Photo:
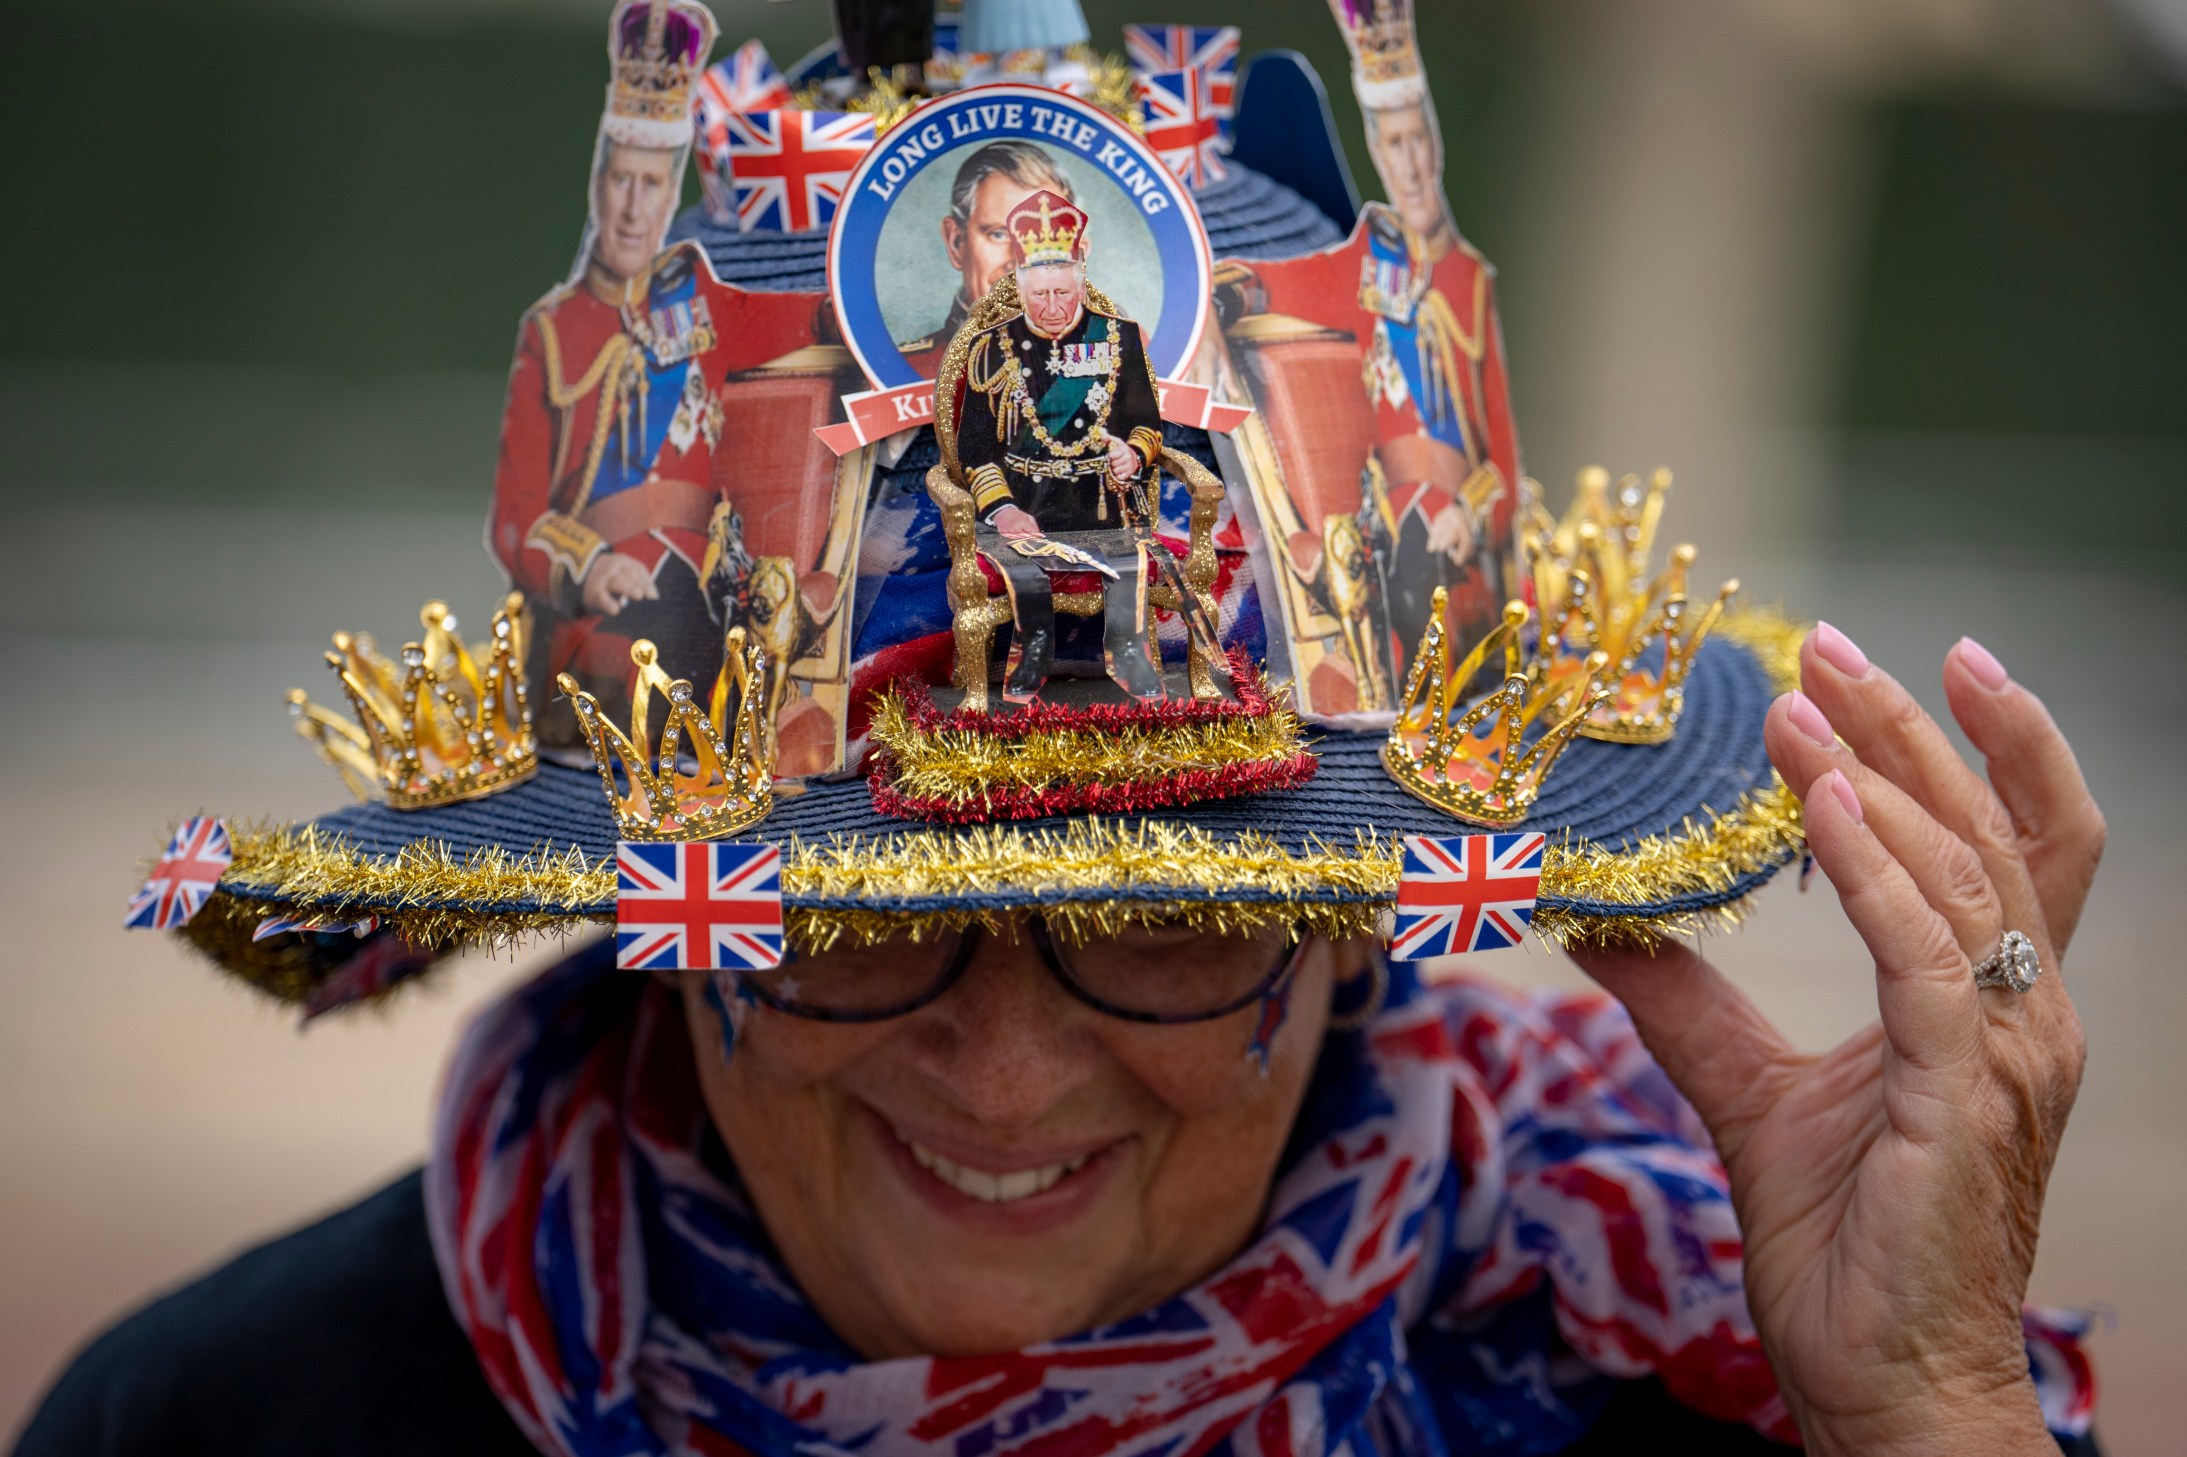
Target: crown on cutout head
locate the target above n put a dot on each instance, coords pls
(1477, 761)
(658, 48)
(1591, 581)
(1046, 228)
(1385, 52)
(724, 783)
(432, 727)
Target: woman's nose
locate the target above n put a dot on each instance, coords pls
(1006, 1044)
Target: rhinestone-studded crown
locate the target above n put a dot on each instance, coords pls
(1592, 583)
(724, 783)
(1477, 761)
(433, 727)
(658, 50)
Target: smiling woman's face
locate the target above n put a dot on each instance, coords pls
(1005, 1165)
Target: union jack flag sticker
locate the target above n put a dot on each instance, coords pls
(1467, 893)
(745, 80)
(184, 877)
(1211, 49)
(1181, 125)
(788, 169)
(711, 906)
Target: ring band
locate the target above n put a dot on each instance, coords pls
(2013, 965)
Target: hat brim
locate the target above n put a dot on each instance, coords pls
(1645, 841)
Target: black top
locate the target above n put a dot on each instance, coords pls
(337, 1342)
(1087, 386)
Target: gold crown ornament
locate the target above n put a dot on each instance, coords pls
(1475, 762)
(1385, 52)
(727, 782)
(1591, 576)
(432, 727)
(658, 51)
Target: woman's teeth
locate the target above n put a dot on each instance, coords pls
(993, 1188)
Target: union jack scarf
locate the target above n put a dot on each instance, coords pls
(1495, 1205)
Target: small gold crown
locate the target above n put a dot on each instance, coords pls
(434, 728)
(1591, 581)
(731, 782)
(1476, 762)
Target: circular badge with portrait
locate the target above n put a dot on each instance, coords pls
(920, 234)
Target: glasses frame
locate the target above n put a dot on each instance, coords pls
(1052, 956)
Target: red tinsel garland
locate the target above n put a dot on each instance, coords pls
(1017, 721)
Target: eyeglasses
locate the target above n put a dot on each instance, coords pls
(1161, 974)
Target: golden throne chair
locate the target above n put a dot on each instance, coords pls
(976, 609)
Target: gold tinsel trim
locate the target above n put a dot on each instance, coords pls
(1089, 877)
(958, 765)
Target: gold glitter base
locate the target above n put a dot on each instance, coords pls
(1090, 877)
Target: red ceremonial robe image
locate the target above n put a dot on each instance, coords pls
(1382, 453)
(659, 479)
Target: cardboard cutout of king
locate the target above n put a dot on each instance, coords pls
(610, 511)
(1430, 508)
(1058, 436)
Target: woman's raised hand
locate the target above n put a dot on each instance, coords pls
(1889, 1190)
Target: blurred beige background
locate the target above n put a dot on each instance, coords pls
(1745, 239)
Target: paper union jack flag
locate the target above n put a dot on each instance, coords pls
(1467, 893)
(698, 907)
(1211, 49)
(788, 169)
(185, 875)
(380, 963)
(744, 81)
(1181, 126)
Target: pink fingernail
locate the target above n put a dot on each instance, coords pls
(1809, 720)
(1839, 652)
(1842, 787)
(1983, 664)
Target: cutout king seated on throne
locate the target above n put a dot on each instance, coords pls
(1052, 461)
(1058, 437)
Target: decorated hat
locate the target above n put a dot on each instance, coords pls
(1265, 626)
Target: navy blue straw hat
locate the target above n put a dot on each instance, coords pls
(1644, 837)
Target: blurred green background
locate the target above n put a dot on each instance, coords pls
(277, 251)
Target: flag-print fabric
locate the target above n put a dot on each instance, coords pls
(788, 169)
(1181, 126)
(1466, 893)
(744, 80)
(382, 961)
(698, 907)
(196, 857)
(1209, 49)
(274, 926)
(1499, 1207)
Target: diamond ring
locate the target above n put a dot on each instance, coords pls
(2013, 965)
